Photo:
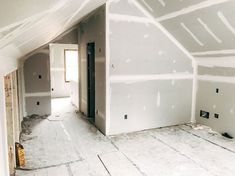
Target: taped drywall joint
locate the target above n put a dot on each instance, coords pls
(162, 2)
(107, 70)
(129, 18)
(226, 22)
(217, 39)
(148, 6)
(216, 61)
(140, 78)
(190, 9)
(191, 34)
(221, 79)
(38, 94)
(216, 52)
(194, 92)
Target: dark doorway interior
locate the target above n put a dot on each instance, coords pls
(91, 81)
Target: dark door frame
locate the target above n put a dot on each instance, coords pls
(91, 81)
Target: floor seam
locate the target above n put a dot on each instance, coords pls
(52, 166)
(182, 154)
(135, 165)
(207, 140)
(104, 165)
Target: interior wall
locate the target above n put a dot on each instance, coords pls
(216, 95)
(5, 68)
(93, 30)
(37, 84)
(59, 88)
(148, 73)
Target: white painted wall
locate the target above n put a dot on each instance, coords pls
(57, 67)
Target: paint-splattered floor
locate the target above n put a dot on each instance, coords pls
(67, 145)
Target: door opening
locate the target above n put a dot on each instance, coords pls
(91, 81)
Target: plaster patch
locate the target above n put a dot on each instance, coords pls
(158, 99)
(191, 34)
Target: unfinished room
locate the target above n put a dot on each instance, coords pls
(117, 88)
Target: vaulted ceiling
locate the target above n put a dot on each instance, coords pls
(203, 27)
(28, 24)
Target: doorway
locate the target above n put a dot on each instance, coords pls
(91, 81)
(12, 117)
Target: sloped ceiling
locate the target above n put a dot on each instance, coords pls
(28, 24)
(203, 27)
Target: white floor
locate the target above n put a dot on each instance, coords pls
(67, 145)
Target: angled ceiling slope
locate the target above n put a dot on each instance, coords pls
(30, 24)
(203, 27)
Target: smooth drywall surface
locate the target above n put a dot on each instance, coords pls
(37, 84)
(74, 87)
(148, 73)
(216, 95)
(93, 30)
(59, 87)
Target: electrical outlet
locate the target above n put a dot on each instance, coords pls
(204, 114)
(217, 90)
(38, 103)
(125, 117)
(216, 116)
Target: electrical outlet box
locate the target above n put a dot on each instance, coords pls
(204, 114)
(216, 116)
(125, 117)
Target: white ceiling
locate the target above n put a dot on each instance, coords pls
(28, 24)
(201, 26)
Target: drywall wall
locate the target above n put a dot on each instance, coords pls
(5, 68)
(93, 30)
(74, 87)
(59, 87)
(148, 72)
(37, 84)
(216, 95)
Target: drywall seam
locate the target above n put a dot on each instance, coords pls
(38, 94)
(222, 79)
(34, 17)
(194, 92)
(107, 33)
(190, 9)
(217, 39)
(158, 25)
(216, 52)
(191, 34)
(140, 78)
(216, 61)
(129, 18)
(162, 3)
(83, 5)
(226, 22)
(148, 6)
